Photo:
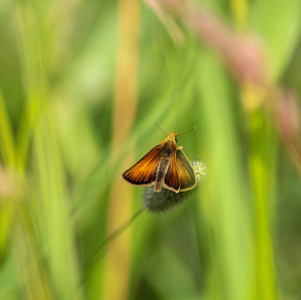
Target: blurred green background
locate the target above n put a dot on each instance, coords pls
(82, 84)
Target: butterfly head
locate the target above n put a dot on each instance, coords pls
(172, 136)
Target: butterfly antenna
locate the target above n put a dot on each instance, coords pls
(194, 128)
(161, 129)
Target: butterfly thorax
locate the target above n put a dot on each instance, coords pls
(171, 140)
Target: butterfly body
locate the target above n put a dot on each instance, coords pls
(165, 165)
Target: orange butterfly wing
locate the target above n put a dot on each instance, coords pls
(171, 180)
(144, 171)
(186, 175)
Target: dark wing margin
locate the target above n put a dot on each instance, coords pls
(186, 175)
(144, 171)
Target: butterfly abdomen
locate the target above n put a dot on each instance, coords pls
(162, 166)
(160, 173)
